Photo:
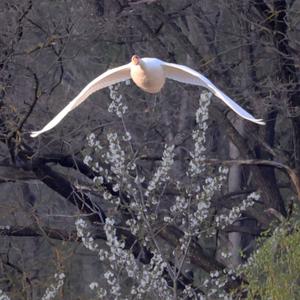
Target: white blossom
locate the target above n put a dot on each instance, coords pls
(133, 225)
(115, 156)
(87, 159)
(226, 255)
(127, 136)
(92, 142)
(4, 227)
(91, 139)
(191, 210)
(147, 278)
(52, 291)
(116, 106)
(161, 174)
(100, 291)
(196, 165)
(116, 187)
(98, 180)
(139, 179)
(235, 212)
(93, 285)
(3, 296)
(86, 238)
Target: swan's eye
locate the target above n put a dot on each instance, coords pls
(135, 59)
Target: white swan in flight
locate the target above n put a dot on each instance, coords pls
(150, 75)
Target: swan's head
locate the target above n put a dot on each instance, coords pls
(135, 59)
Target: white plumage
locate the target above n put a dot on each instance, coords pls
(149, 74)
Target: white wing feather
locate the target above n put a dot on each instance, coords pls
(106, 79)
(187, 75)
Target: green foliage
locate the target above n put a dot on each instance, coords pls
(274, 271)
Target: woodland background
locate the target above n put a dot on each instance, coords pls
(50, 49)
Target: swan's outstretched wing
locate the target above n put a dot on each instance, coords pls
(187, 75)
(106, 79)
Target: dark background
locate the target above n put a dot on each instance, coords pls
(49, 50)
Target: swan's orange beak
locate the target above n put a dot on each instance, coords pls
(135, 59)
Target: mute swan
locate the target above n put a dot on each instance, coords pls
(150, 75)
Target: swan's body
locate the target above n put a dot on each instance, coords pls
(150, 75)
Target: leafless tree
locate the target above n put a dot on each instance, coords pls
(51, 49)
